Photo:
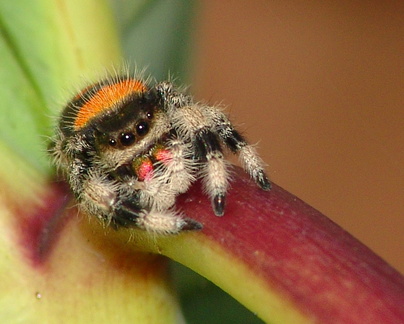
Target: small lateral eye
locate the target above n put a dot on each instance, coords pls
(142, 128)
(127, 139)
(149, 115)
(112, 142)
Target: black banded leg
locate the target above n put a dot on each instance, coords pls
(153, 221)
(215, 174)
(190, 224)
(249, 157)
(126, 214)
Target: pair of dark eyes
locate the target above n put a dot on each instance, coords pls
(128, 138)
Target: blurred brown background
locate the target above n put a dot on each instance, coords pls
(319, 84)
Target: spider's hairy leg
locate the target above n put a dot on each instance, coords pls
(215, 170)
(173, 172)
(172, 97)
(151, 220)
(98, 193)
(117, 204)
(206, 127)
(166, 222)
(248, 155)
(104, 198)
(179, 165)
(191, 125)
(254, 165)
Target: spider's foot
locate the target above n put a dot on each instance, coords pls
(219, 204)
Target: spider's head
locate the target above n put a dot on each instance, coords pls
(122, 117)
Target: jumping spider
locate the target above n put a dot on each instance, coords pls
(127, 149)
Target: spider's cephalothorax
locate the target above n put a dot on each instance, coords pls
(128, 149)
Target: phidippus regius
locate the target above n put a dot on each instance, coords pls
(128, 149)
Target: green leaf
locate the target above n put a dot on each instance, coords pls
(157, 35)
(46, 46)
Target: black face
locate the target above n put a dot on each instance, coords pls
(126, 126)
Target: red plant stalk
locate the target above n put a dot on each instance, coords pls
(280, 257)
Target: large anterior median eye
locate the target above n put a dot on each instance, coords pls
(127, 139)
(142, 128)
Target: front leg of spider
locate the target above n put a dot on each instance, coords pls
(215, 171)
(114, 199)
(118, 204)
(126, 213)
(192, 125)
(129, 214)
(249, 158)
(207, 128)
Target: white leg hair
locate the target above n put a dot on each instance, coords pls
(216, 178)
(98, 196)
(172, 177)
(180, 167)
(250, 160)
(167, 222)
